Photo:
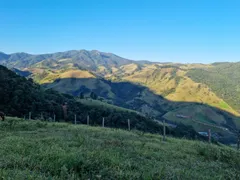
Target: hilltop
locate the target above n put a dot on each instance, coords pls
(40, 150)
(19, 96)
(201, 95)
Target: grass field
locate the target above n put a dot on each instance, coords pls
(40, 150)
(98, 103)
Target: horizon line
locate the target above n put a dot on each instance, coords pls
(151, 61)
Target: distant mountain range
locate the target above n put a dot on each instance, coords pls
(83, 58)
(195, 94)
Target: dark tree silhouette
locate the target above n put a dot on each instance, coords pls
(2, 115)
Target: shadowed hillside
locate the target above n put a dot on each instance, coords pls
(136, 97)
(222, 78)
(175, 82)
(194, 94)
(19, 96)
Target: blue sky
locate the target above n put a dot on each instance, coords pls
(158, 30)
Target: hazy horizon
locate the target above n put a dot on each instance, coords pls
(123, 57)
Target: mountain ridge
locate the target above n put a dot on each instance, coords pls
(141, 85)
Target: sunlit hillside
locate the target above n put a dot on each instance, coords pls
(205, 95)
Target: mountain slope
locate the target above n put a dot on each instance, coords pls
(19, 96)
(85, 59)
(140, 98)
(223, 79)
(172, 83)
(159, 90)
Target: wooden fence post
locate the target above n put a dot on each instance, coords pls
(209, 135)
(88, 120)
(54, 117)
(164, 130)
(238, 141)
(30, 114)
(103, 122)
(75, 119)
(129, 125)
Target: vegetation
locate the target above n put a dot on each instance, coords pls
(223, 79)
(40, 150)
(93, 95)
(98, 103)
(157, 90)
(20, 96)
(82, 58)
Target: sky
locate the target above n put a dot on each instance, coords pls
(186, 31)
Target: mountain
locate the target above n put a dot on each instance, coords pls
(85, 59)
(19, 96)
(180, 93)
(3, 56)
(223, 79)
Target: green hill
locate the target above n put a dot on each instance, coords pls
(40, 150)
(205, 95)
(83, 58)
(223, 79)
(141, 97)
(19, 96)
(98, 103)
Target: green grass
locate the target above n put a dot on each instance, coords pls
(98, 103)
(223, 105)
(40, 150)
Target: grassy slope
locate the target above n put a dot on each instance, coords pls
(172, 83)
(39, 150)
(169, 81)
(223, 79)
(49, 76)
(97, 103)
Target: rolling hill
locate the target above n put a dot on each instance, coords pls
(19, 96)
(223, 79)
(204, 96)
(85, 59)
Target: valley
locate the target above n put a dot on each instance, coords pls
(203, 94)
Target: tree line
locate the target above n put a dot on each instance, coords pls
(19, 96)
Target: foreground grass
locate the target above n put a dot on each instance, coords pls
(39, 150)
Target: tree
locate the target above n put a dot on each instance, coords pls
(81, 95)
(93, 95)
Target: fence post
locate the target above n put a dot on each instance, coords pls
(129, 125)
(103, 122)
(30, 114)
(88, 120)
(41, 116)
(238, 141)
(164, 130)
(54, 118)
(209, 135)
(75, 119)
